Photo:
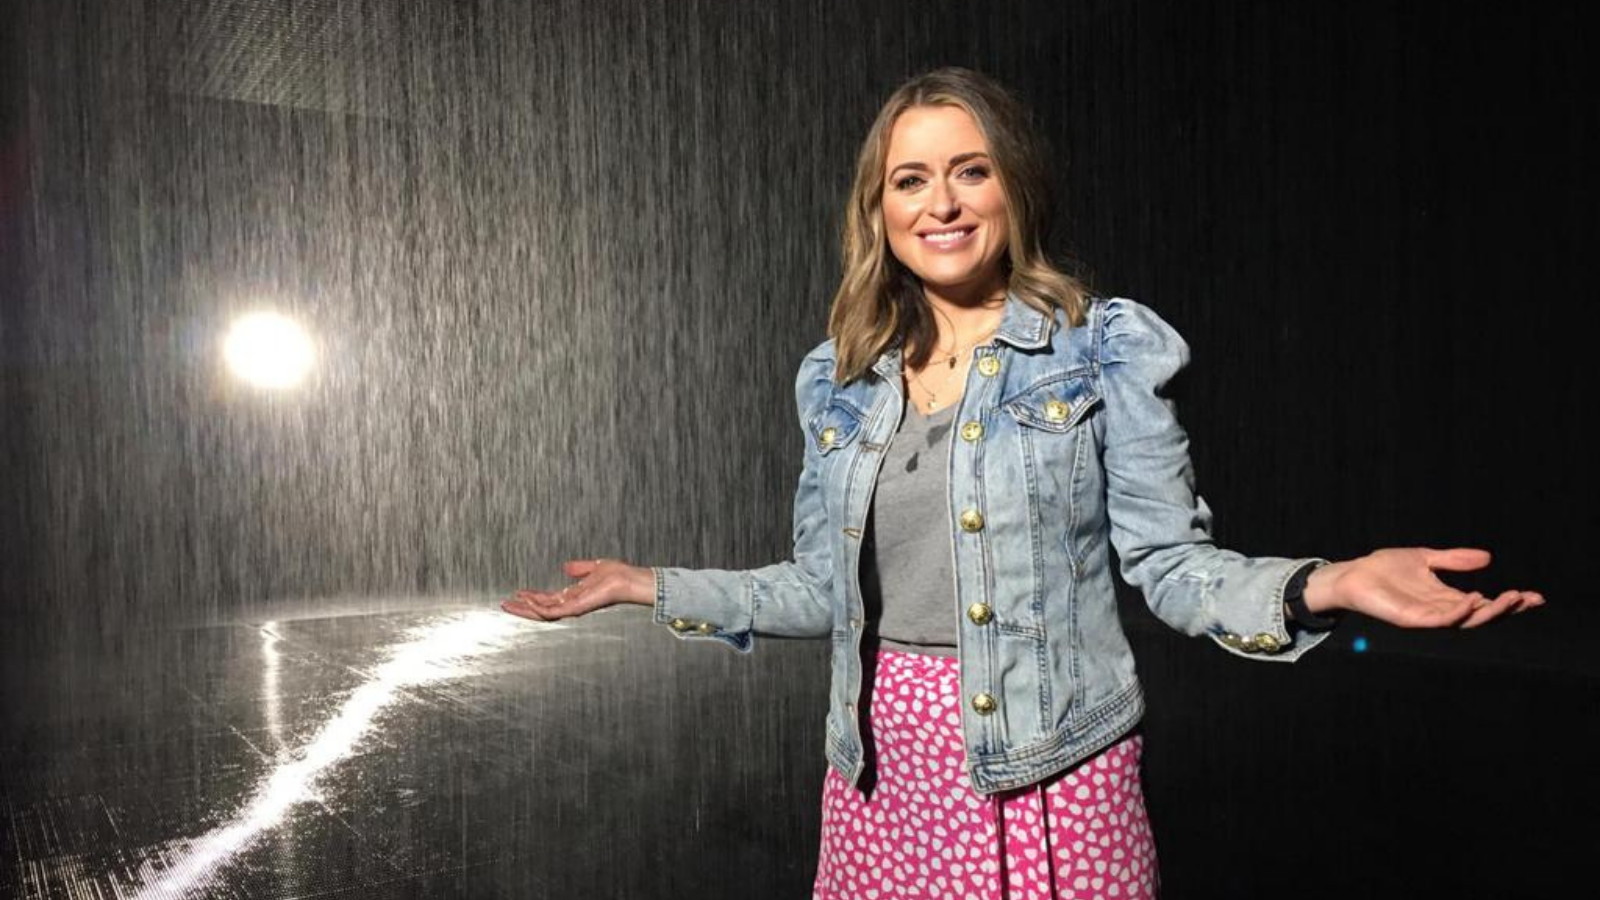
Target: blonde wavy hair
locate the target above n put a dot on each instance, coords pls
(879, 300)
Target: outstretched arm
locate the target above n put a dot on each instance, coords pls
(1162, 528)
(1397, 585)
(789, 598)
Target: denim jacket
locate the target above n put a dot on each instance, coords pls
(1066, 446)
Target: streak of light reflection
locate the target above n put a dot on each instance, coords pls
(430, 653)
(271, 663)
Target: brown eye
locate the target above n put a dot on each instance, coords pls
(907, 182)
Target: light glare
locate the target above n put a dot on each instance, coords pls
(268, 350)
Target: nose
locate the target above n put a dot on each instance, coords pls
(942, 202)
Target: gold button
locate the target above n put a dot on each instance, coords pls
(980, 613)
(1056, 411)
(971, 431)
(1230, 639)
(1248, 644)
(984, 704)
(988, 365)
(1267, 642)
(707, 628)
(828, 434)
(681, 625)
(971, 520)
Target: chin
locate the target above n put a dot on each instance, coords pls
(951, 281)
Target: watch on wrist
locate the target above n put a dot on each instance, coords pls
(1294, 601)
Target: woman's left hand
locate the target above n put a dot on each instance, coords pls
(1397, 585)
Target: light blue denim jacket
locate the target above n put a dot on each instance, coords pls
(1065, 438)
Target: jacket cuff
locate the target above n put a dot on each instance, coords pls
(1268, 635)
(699, 603)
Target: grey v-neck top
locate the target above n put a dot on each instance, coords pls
(907, 579)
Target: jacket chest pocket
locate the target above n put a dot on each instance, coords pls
(1054, 405)
(835, 434)
(1049, 421)
(835, 428)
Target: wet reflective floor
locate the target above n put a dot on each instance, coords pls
(453, 751)
(449, 750)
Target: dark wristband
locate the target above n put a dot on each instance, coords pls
(1294, 600)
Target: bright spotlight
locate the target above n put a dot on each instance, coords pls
(268, 350)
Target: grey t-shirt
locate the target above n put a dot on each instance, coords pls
(907, 579)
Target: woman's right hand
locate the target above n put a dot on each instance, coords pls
(601, 583)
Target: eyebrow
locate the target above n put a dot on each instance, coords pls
(956, 160)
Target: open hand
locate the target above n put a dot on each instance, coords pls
(601, 583)
(1397, 585)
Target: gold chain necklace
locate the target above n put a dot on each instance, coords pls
(933, 395)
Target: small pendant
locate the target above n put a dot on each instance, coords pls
(952, 362)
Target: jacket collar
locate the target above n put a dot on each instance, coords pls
(1021, 326)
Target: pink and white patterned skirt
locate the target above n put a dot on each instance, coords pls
(925, 833)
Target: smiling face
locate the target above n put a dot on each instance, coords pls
(944, 210)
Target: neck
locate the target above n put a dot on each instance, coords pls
(956, 299)
(961, 314)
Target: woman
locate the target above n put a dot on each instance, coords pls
(979, 433)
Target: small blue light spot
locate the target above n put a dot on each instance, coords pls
(1359, 645)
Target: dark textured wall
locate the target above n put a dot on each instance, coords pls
(563, 258)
